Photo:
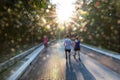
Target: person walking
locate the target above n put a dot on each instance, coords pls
(77, 47)
(68, 45)
(45, 41)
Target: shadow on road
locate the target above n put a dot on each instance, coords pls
(86, 74)
(70, 73)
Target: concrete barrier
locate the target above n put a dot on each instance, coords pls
(107, 58)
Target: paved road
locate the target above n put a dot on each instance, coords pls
(52, 65)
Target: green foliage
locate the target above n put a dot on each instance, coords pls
(25, 22)
(103, 24)
(19, 29)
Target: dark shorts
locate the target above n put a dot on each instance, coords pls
(68, 50)
(77, 49)
(45, 44)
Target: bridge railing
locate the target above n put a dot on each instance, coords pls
(107, 58)
(16, 58)
(29, 56)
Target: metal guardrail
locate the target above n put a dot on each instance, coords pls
(107, 58)
(13, 60)
(31, 58)
(107, 53)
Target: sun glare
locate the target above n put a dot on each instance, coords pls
(64, 9)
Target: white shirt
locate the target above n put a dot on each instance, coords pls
(67, 43)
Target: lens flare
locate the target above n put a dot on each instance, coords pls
(64, 9)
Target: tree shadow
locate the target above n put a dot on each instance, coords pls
(70, 72)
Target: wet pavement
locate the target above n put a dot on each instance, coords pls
(52, 65)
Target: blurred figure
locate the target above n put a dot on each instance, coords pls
(45, 41)
(67, 44)
(77, 47)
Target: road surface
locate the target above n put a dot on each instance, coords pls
(52, 65)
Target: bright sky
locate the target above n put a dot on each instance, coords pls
(64, 9)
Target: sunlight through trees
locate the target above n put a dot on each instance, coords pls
(25, 22)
